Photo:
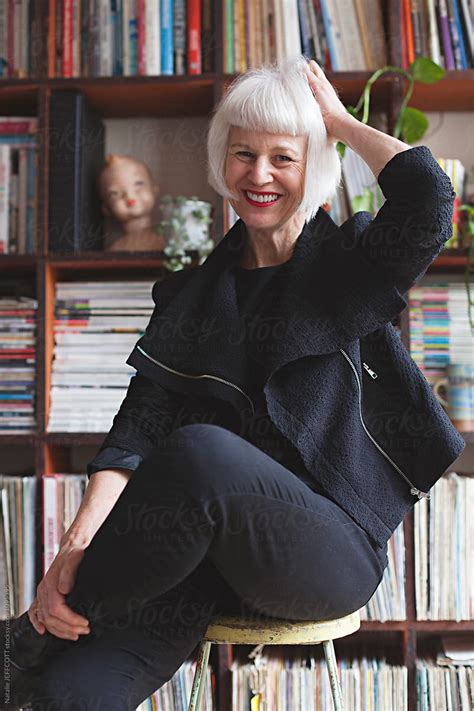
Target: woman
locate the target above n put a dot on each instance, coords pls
(277, 430)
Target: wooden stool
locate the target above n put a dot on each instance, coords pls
(235, 630)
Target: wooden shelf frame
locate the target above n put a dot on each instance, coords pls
(160, 97)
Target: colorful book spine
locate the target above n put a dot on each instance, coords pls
(141, 51)
(445, 36)
(153, 38)
(194, 36)
(67, 30)
(179, 37)
(166, 32)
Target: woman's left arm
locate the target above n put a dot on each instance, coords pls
(413, 224)
(375, 147)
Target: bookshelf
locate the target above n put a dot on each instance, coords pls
(187, 97)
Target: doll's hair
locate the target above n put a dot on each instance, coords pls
(114, 159)
(276, 99)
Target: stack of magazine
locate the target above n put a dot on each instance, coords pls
(17, 365)
(97, 325)
(439, 327)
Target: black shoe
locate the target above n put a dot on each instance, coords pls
(23, 650)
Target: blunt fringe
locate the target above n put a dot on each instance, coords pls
(276, 99)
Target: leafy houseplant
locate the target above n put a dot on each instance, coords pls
(186, 229)
(410, 126)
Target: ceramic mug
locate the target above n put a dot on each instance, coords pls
(459, 387)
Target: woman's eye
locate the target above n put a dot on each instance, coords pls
(139, 182)
(283, 159)
(244, 154)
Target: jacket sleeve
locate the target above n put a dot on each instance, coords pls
(413, 224)
(147, 413)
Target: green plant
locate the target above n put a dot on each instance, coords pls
(410, 126)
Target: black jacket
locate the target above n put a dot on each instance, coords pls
(339, 383)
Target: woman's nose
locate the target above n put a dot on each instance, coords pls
(260, 173)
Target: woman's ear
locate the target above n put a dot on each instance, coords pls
(105, 210)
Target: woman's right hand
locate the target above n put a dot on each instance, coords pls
(54, 615)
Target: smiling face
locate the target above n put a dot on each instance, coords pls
(267, 172)
(127, 190)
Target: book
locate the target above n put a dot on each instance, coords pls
(76, 156)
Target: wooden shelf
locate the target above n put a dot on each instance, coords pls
(455, 92)
(18, 439)
(17, 262)
(18, 97)
(106, 260)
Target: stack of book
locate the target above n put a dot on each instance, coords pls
(175, 694)
(17, 544)
(18, 184)
(439, 328)
(388, 602)
(441, 30)
(299, 684)
(17, 365)
(131, 38)
(444, 555)
(62, 496)
(97, 325)
(341, 36)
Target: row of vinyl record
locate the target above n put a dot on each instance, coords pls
(174, 694)
(18, 185)
(302, 684)
(443, 585)
(368, 684)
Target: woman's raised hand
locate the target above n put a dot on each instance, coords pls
(49, 610)
(332, 109)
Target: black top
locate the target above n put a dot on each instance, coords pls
(259, 429)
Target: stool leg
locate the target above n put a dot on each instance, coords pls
(333, 675)
(200, 676)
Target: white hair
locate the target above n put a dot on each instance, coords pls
(276, 99)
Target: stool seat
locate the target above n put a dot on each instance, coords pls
(226, 629)
(241, 630)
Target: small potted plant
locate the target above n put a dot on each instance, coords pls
(186, 229)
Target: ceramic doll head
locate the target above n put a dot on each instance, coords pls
(129, 193)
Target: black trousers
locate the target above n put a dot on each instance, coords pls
(207, 524)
